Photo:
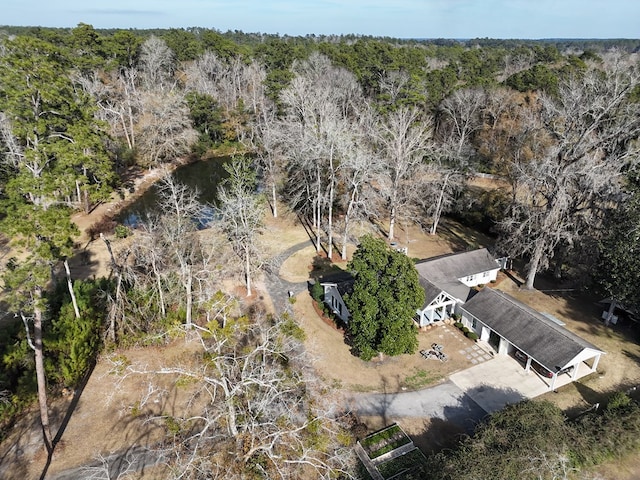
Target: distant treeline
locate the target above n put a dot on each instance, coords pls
(629, 45)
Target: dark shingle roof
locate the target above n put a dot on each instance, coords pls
(343, 280)
(549, 344)
(443, 272)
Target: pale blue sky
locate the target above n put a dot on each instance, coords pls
(395, 18)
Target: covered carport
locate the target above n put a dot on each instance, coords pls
(556, 354)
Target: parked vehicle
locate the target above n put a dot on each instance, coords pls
(537, 367)
(541, 370)
(569, 369)
(520, 356)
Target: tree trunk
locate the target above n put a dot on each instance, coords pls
(116, 268)
(40, 376)
(612, 308)
(71, 292)
(159, 286)
(274, 207)
(347, 218)
(330, 215)
(114, 310)
(78, 193)
(533, 267)
(247, 272)
(131, 137)
(319, 212)
(126, 132)
(392, 222)
(438, 212)
(189, 297)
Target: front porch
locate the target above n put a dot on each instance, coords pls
(439, 309)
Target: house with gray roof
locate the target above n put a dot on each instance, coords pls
(447, 281)
(335, 287)
(537, 340)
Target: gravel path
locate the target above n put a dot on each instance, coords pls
(278, 287)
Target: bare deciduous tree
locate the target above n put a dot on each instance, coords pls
(588, 137)
(259, 408)
(241, 215)
(459, 118)
(157, 64)
(164, 130)
(321, 103)
(182, 212)
(405, 138)
(359, 166)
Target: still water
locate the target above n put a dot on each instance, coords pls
(205, 176)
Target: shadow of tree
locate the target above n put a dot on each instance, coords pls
(322, 266)
(460, 237)
(67, 417)
(439, 435)
(83, 264)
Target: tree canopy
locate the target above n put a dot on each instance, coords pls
(385, 297)
(618, 268)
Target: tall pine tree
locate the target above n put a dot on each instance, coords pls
(55, 159)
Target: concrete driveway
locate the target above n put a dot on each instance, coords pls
(445, 401)
(503, 380)
(498, 382)
(464, 399)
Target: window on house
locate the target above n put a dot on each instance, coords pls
(474, 323)
(470, 278)
(485, 274)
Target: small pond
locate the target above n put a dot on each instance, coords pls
(205, 176)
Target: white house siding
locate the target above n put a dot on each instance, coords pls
(333, 300)
(584, 356)
(481, 278)
(440, 308)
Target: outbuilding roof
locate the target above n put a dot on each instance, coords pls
(548, 343)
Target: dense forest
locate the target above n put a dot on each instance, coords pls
(343, 130)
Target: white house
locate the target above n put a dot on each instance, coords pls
(447, 282)
(335, 287)
(513, 328)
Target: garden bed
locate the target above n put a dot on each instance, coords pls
(411, 465)
(384, 441)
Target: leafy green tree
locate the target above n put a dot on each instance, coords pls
(538, 77)
(123, 47)
(385, 297)
(221, 45)
(617, 274)
(184, 43)
(86, 45)
(73, 342)
(207, 116)
(528, 440)
(57, 150)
